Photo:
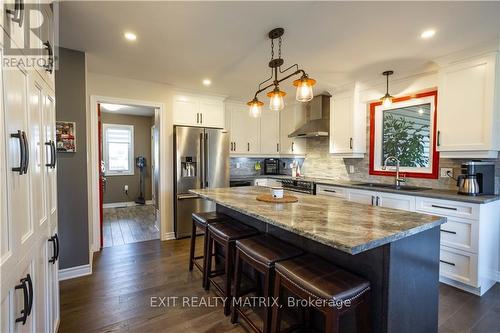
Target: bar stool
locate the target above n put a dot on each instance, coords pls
(225, 234)
(312, 278)
(261, 253)
(201, 220)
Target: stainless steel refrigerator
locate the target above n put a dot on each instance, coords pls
(201, 158)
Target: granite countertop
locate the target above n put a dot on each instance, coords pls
(429, 193)
(347, 226)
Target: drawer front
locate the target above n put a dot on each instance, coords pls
(332, 191)
(458, 265)
(460, 234)
(396, 201)
(448, 208)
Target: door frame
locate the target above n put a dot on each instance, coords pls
(93, 170)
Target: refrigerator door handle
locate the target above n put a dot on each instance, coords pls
(206, 156)
(202, 160)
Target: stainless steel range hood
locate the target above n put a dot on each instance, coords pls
(318, 115)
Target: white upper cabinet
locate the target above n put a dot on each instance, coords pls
(347, 125)
(266, 135)
(244, 130)
(201, 111)
(291, 118)
(269, 132)
(212, 112)
(469, 108)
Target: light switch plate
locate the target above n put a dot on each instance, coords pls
(444, 172)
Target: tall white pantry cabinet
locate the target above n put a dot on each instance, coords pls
(29, 246)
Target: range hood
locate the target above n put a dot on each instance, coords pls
(318, 118)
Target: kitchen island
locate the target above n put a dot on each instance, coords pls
(397, 251)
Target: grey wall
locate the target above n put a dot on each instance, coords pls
(72, 167)
(142, 146)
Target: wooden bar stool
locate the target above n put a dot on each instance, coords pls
(312, 278)
(202, 220)
(225, 234)
(261, 253)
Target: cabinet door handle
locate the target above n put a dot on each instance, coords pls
(373, 198)
(197, 118)
(331, 191)
(17, 13)
(27, 152)
(449, 231)
(248, 146)
(201, 118)
(277, 147)
(447, 262)
(22, 151)
(52, 260)
(444, 207)
(377, 201)
(438, 138)
(50, 66)
(54, 155)
(350, 143)
(235, 146)
(57, 245)
(292, 146)
(27, 286)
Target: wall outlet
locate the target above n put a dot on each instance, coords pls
(125, 189)
(351, 168)
(444, 172)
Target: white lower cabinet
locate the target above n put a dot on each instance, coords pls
(470, 250)
(267, 182)
(382, 199)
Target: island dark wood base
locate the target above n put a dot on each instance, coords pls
(404, 275)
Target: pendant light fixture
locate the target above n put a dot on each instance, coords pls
(387, 98)
(255, 108)
(304, 84)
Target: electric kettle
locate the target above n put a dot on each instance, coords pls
(468, 185)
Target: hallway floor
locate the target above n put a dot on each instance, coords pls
(118, 296)
(127, 225)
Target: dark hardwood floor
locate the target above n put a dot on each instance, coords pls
(117, 297)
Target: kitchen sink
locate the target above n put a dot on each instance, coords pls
(394, 187)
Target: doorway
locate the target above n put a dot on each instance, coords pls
(128, 170)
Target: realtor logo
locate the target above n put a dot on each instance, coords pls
(32, 32)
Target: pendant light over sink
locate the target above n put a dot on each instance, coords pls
(387, 98)
(304, 84)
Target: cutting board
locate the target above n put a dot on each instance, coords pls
(269, 198)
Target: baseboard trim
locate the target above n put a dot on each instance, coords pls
(168, 236)
(74, 272)
(125, 204)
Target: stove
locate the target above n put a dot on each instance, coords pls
(298, 185)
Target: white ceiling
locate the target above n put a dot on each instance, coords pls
(181, 43)
(129, 110)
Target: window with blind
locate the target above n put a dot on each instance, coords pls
(118, 149)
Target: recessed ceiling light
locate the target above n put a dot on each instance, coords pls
(428, 34)
(207, 82)
(130, 35)
(112, 107)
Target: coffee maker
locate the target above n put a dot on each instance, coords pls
(477, 178)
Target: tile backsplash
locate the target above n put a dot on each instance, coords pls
(319, 163)
(245, 166)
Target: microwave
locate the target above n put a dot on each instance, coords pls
(271, 166)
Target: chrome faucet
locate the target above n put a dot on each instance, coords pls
(397, 180)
